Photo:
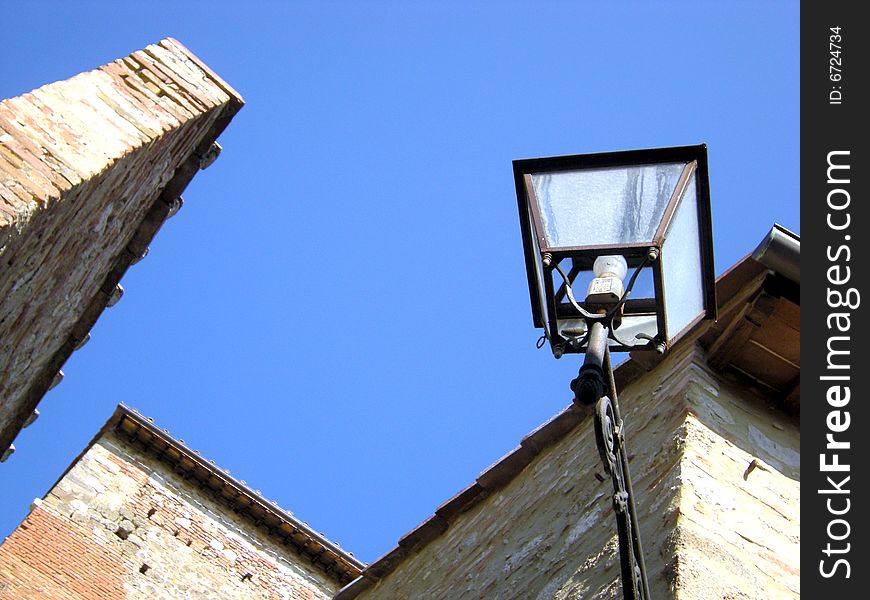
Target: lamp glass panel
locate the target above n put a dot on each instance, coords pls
(682, 274)
(635, 324)
(627, 331)
(569, 328)
(612, 205)
(541, 295)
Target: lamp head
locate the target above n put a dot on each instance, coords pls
(590, 220)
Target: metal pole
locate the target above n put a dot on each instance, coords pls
(635, 529)
(589, 388)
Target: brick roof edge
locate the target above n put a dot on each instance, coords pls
(336, 563)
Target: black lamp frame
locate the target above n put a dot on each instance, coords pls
(539, 255)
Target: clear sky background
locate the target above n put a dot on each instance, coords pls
(339, 314)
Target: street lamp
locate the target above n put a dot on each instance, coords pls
(652, 207)
(588, 221)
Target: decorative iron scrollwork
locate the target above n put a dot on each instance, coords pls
(610, 440)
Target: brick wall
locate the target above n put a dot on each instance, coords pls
(88, 168)
(118, 524)
(708, 533)
(37, 561)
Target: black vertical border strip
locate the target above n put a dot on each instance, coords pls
(833, 119)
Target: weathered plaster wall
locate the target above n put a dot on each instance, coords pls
(736, 537)
(83, 163)
(708, 533)
(118, 513)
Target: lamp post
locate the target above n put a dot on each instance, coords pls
(587, 221)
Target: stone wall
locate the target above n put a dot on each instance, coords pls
(738, 534)
(119, 525)
(88, 170)
(708, 533)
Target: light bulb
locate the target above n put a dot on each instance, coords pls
(613, 265)
(607, 287)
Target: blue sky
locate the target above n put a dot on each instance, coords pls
(339, 314)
